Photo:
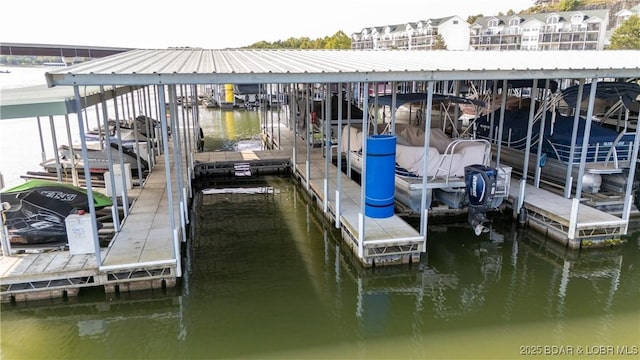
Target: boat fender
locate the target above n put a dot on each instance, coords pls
(543, 160)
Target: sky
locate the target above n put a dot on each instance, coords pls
(216, 24)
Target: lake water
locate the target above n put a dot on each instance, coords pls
(266, 277)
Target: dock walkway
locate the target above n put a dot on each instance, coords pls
(568, 221)
(45, 275)
(140, 256)
(386, 241)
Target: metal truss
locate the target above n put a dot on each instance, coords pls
(48, 285)
(595, 232)
(140, 274)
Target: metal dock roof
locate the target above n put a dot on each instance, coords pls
(40, 100)
(240, 66)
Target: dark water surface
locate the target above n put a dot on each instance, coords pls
(266, 277)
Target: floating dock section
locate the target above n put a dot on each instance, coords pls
(140, 256)
(567, 220)
(375, 241)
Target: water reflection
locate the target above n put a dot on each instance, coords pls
(92, 327)
(226, 130)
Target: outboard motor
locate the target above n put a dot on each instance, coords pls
(480, 181)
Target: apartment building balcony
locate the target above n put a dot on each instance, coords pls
(362, 45)
(577, 45)
(422, 47)
(592, 38)
(569, 46)
(423, 38)
(383, 44)
(495, 47)
(593, 27)
(568, 38)
(485, 32)
(422, 42)
(496, 40)
(556, 30)
(511, 31)
(510, 46)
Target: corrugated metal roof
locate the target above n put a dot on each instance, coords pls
(40, 100)
(35, 101)
(202, 66)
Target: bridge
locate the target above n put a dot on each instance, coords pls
(65, 51)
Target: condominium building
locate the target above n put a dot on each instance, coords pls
(564, 30)
(420, 35)
(569, 30)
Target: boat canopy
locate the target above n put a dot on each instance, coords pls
(628, 92)
(417, 97)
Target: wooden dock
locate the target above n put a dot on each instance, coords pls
(567, 220)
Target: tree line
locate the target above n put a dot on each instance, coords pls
(339, 40)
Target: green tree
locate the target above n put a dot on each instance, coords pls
(535, 9)
(339, 40)
(627, 36)
(568, 5)
(261, 45)
(438, 43)
(472, 18)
